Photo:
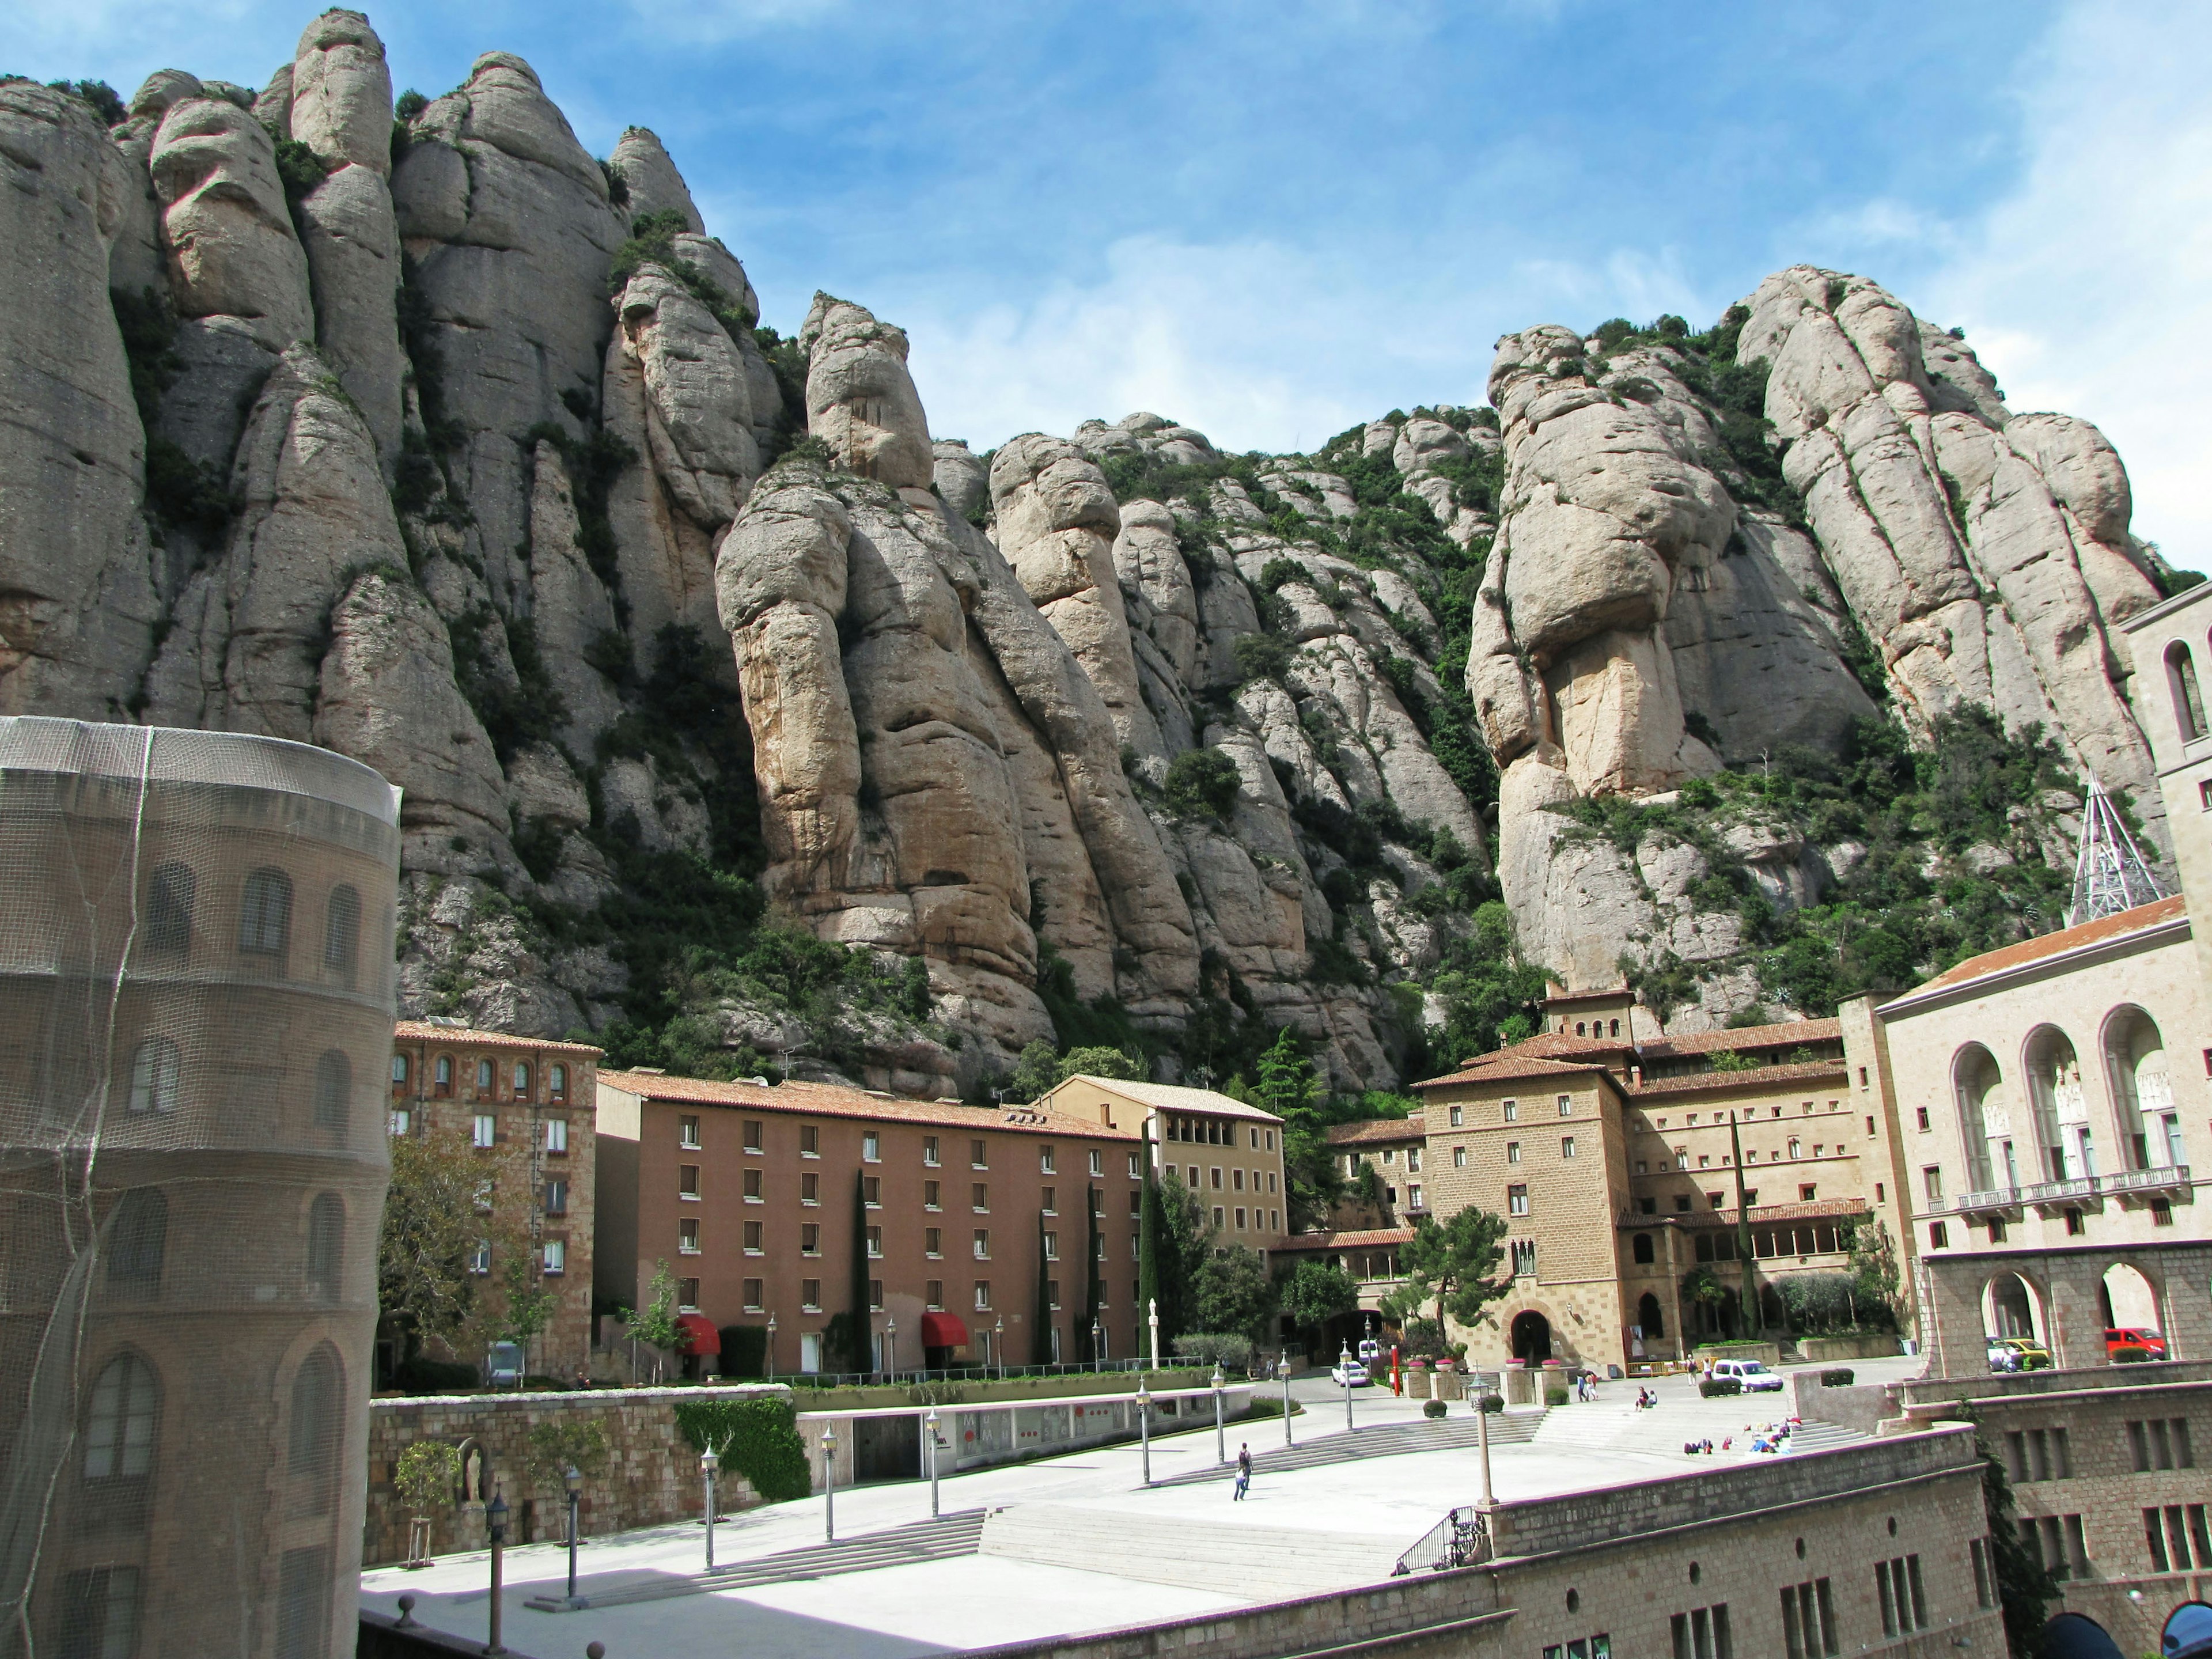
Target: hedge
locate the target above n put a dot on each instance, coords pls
(1712, 1387)
(1433, 1408)
(1839, 1378)
(756, 1438)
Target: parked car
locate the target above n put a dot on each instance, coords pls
(1349, 1374)
(2134, 1336)
(1752, 1373)
(2015, 1353)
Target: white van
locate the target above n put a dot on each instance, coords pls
(1752, 1373)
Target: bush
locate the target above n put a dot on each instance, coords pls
(756, 1438)
(424, 1375)
(1715, 1387)
(1839, 1378)
(2130, 1356)
(1226, 1349)
(744, 1350)
(1261, 657)
(1555, 1395)
(1492, 1403)
(1433, 1408)
(1202, 783)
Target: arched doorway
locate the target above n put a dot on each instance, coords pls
(1531, 1337)
(2011, 1307)
(1648, 1317)
(1985, 1124)
(2127, 1300)
(2142, 1092)
(2066, 1148)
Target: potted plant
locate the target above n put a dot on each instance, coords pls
(425, 1475)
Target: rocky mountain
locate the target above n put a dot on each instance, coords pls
(746, 723)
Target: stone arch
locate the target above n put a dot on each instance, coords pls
(1648, 1316)
(2058, 1108)
(2135, 1056)
(2188, 700)
(476, 1472)
(1529, 1336)
(2128, 1296)
(1985, 1129)
(2014, 1306)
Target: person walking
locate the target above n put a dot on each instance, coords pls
(1243, 1471)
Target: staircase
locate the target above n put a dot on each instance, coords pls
(1454, 1433)
(1615, 1423)
(1252, 1564)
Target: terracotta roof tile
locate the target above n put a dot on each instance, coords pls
(463, 1037)
(1784, 1036)
(1370, 1236)
(1755, 1077)
(2052, 945)
(1377, 1129)
(1602, 993)
(1172, 1097)
(826, 1100)
(1495, 1068)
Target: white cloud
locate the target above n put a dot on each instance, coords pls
(2088, 288)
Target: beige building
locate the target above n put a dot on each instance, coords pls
(2172, 645)
(1229, 1154)
(535, 1103)
(1382, 1161)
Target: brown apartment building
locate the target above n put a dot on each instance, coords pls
(979, 1226)
(533, 1101)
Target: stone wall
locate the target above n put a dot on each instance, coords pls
(651, 1474)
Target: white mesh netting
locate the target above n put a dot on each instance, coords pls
(195, 1004)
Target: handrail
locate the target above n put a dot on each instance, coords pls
(1460, 1540)
(2159, 1177)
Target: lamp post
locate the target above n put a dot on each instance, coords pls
(1153, 1318)
(574, 1480)
(998, 1345)
(929, 1426)
(1220, 1441)
(829, 1482)
(707, 1464)
(1344, 1371)
(771, 1348)
(891, 1346)
(1482, 1434)
(1096, 1333)
(1145, 1425)
(496, 1513)
(1284, 1366)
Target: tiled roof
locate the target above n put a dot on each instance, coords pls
(1602, 993)
(1503, 1067)
(1367, 1130)
(2052, 945)
(462, 1037)
(1785, 1035)
(1370, 1236)
(1169, 1098)
(826, 1100)
(1757, 1076)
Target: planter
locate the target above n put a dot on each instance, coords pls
(1867, 1345)
(1769, 1352)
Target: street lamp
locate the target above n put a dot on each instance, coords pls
(929, 1424)
(998, 1345)
(707, 1464)
(1095, 1334)
(1154, 1318)
(1344, 1371)
(1482, 1432)
(574, 1480)
(891, 1346)
(1145, 1425)
(771, 1348)
(1220, 1444)
(496, 1513)
(1283, 1366)
(829, 1482)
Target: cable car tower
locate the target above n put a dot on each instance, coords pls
(2110, 875)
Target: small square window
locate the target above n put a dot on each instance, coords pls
(402, 1122)
(687, 1132)
(687, 1238)
(810, 1239)
(1512, 1111)
(1566, 1145)
(871, 1147)
(754, 1141)
(1808, 1195)
(486, 1131)
(1512, 1152)
(1459, 1157)
(687, 1295)
(932, 1295)
(557, 1136)
(929, 1151)
(556, 1256)
(809, 1140)
(1566, 1105)
(754, 1190)
(687, 1181)
(753, 1239)
(1458, 1117)
(810, 1295)
(1939, 1236)
(754, 1296)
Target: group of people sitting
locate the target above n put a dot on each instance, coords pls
(1768, 1437)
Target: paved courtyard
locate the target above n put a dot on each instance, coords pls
(1167, 1553)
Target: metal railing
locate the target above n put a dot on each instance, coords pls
(1460, 1540)
(906, 1376)
(2164, 1178)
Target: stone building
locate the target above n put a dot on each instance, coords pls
(1682, 1150)
(2172, 645)
(1229, 1154)
(1381, 1161)
(976, 1225)
(196, 947)
(532, 1105)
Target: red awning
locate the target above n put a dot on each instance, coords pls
(697, 1334)
(943, 1330)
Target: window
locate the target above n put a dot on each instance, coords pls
(1413, 1196)
(2161, 1212)
(871, 1192)
(169, 908)
(480, 1258)
(1051, 1247)
(1809, 1620)
(979, 1155)
(1237, 1180)
(979, 1197)
(1808, 1195)
(2056, 1541)
(2041, 1454)
(1516, 1200)
(556, 1082)
(755, 1141)
(2161, 1443)
(264, 914)
(1240, 1221)
(983, 1243)
(1796, 1147)
(1215, 1174)
(137, 1241)
(687, 1295)
(871, 1147)
(687, 1238)
(1566, 1105)
(484, 1077)
(1702, 1633)
(1097, 1163)
(99, 1609)
(983, 1296)
(756, 1188)
(1566, 1145)
(118, 1439)
(556, 1256)
(1389, 1155)
(929, 1151)
(557, 1136)
(1939, 1236)
(1985, 1573)
(1269, 1140)
(333, 1084)
(2188, 701)
(1512, 1111)
(486, 1131)
(810, 1295)
(1931, 1179)
(1903, 1608)
(687, 1181)
(1047, 1159)
(1458, 1117)
(444, 1072)
(753, 1245)
(1218, 1220)
(687, 1132)
(1524, 1258)
(1459, 1157)
(754, 1299)
(2176, 1534)
(810, 1189)
(519, 1079)
(932, 1295)
(810, 1139)
(875, 1242)
(1137, 1166)
(1920, 1115)
(398, 1070)
(1136, 1205)
(318, 1409)
(154, 1066)
(933, 1241)
(556, 1196)
(1413, 1158)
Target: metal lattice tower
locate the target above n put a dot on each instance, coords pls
(2110, 875)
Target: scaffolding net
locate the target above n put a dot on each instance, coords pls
(197, 983)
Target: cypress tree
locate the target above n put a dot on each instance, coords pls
(1095, 1286)
(858, 1331)
(1041, 1343)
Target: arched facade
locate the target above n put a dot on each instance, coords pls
(2148, 1119)
(1985, 1133)
(2065, 1142)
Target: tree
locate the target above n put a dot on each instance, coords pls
(529, 1301)
(1183, 1242)
(1098, 1062)
(1318, 1292)
(1450, 1264)
(1235, 1294)
(1041, 1333)
(426, 1473)
(655, 1324)
(1875, 1273)
(555, 1448)
(1201, 783)
(433, 1225)
(857, 1325)
(1094, 1293)
(1036, 1070)
(1286, 1076)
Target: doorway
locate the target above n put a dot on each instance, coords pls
(1531, 1337)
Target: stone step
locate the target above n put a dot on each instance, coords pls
(1255, 1563)
(1456, 1432)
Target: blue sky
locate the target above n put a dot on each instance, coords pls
(1272, 221)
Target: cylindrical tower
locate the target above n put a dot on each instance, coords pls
(196, 1008)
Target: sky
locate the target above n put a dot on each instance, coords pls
(1274, 219)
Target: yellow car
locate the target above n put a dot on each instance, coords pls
(2013, 1353)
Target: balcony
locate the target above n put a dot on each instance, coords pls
(2083, 1193)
